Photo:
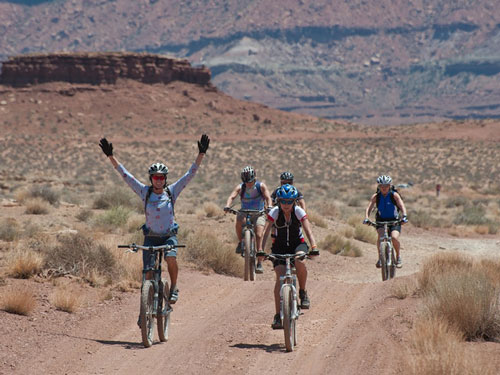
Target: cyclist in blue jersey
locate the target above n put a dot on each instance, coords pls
(389, 205)
(254, 195)
(159, 199)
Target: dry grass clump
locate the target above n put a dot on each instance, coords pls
(80, 255)
(19, 301)
(46, 193)
(437, 348)
(402, 288)
(471, 215)
(205, 250)
(84, 215)
(23, 264)
(36, 206)
(463, 293)
(9, 229)
(355, 220)
(212, 210)
(66, 299)
(423, 219)
(315, 218)
(329, 210)
(365, 233)
(340, 246)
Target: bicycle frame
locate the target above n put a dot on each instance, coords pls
(387, 258)
(289, 279)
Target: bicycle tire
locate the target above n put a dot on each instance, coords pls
(247, 244)
(252, 258)
(392, 268)
(288, 321)
(383, 260)
(147, 320)
(164, 310)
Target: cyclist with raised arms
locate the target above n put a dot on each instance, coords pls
(254, 195)
(389, 204)
(287, 220)
(287, 178)
(159, 199)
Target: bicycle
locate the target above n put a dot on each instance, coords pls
(289, 301)
(387, 254)
(154, 296)
(248, 242)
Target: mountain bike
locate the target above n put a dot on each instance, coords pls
(387, 255)
(154, 296)
(289, 301)
(248, 242)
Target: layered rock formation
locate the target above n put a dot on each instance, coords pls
(99, 68)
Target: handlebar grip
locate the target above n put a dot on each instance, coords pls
(180, 245)
(124, 246)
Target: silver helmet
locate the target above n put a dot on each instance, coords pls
(384, 180)
(247, 174)
(158, 168)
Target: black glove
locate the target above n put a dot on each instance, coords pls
(106, 147)
(203, 144)
(226, 209)
(366, 221)
(314, 252)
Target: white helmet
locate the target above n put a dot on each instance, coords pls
(158, 168)
(248, 174)
(384, 180)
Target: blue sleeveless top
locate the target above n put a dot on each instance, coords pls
(387, 210)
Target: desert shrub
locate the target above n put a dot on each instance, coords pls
(340, 246)
(422, 219)
(9, 229)
(212, 210)
(365, 233)
(18, 300)
(456, 202)
(439, 264)
(328, 209)
(348, 232)
(115, 217)
(355, 220)
(84, 215)
(117, 197)
(80, 255)
(66, 300)
(46, 193)
(36, 206)
(471, 215)
(403, 288)
(315, 218)
(23, 264)
(135, 223)
(436, 348)
(493, 228)
(356, 201)
(205, 250)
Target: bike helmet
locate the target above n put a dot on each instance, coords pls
(287, 176)
(287, 191)
(384, 180)
(158, 168)
(247, 174)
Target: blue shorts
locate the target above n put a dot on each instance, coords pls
(148, 257)
(301, 247)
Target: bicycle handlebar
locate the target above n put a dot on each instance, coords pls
(244, 211)
(300, 254)
(134, 247)
(382, 223)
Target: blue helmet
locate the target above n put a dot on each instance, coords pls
(287, 191)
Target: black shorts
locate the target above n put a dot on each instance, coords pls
(301, 247)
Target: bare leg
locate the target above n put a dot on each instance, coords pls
(280, 271)
(259, 231)
(301, 269)
(395, 241)
(173, 270)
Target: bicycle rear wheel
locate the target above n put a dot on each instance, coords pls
(164, 310)
(147, 320)
(288, 321)
(247, 244)
(383, 260)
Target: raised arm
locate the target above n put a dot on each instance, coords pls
(107, 148)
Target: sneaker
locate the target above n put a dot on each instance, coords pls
(277, 322)
(174, 295)
(304, 299)
(259, 268)
(378, 264)
(238, 249)
(399, 262)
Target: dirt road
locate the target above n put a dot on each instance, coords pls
(221, 325)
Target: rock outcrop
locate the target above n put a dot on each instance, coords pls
(99, 68)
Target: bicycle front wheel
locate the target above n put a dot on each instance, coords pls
(164, 310)
(383, 260)
(147, 320)
(288, 320)
(252, 264)
(248, 256)
(392, 268)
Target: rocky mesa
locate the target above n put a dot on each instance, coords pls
(99, 68)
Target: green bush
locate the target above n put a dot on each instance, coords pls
(116, 197)
(46, 193)
(116, 217)
(422, 219)
(471, 215)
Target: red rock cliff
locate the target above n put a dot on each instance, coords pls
(99, 68)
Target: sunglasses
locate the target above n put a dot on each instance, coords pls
(287, 201)
(158, 177)
(283, 182)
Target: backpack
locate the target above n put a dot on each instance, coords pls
(244, 187)
(391, 190)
